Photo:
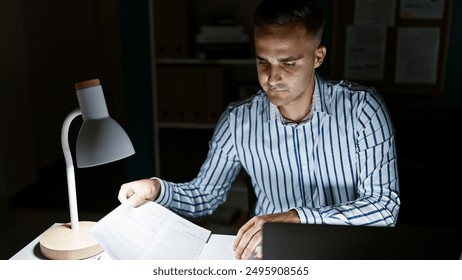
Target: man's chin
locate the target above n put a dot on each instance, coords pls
(276, 98)
(277, 101)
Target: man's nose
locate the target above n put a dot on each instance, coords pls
(274, 75)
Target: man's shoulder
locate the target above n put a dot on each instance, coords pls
(348, 90)
(248, 102)
(335, 93)
(346, 86)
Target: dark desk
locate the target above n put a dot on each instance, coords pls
(331, 242)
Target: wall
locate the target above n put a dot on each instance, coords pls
(134, 17)
(17, 152)
(67, 42)
(46, 47)
(429, 150)
(451, 98)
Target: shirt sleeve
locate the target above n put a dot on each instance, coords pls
(210, 188)
(377, 192)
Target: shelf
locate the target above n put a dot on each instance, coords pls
(199, 61)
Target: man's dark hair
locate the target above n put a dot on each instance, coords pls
(287, 12)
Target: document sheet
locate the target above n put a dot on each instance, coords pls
(149, 232)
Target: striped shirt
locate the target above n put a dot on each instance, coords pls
(339, 166)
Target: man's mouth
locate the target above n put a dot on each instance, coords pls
(275, 90)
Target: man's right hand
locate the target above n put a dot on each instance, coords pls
(136, 192)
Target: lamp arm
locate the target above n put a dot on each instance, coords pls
(70, 167)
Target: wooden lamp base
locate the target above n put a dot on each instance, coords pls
(61, 242)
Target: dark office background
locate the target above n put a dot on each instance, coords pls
(47, 46)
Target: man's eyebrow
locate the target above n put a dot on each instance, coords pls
(261, 58)
(285, 59)
(290, 58)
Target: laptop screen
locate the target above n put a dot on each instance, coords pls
(334, 242)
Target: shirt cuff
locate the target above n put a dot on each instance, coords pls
(165, 195)
(309, 215)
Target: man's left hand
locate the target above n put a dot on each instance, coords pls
(249, 237)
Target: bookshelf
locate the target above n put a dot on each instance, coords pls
(195, 77)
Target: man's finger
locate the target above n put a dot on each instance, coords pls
(253, 246)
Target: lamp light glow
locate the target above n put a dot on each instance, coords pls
(100, 140)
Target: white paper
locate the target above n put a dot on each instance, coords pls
(375, 13)
(417, 55)
(149, 231)
(219, 247)
(365, 53)
(422, 9)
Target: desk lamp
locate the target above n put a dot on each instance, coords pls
(100, 140)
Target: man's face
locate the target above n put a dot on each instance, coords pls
(286, 61)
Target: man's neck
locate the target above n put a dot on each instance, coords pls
(296, 113)
(298, 110)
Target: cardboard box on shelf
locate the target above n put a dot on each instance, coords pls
(171, 28)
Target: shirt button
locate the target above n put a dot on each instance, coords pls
(304, 166)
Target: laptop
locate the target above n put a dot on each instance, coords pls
(285, 241)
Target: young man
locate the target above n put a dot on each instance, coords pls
(317, 151)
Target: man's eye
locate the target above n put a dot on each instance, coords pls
(289, 64)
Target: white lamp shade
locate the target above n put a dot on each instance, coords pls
(102, 141)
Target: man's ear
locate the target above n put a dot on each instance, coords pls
(319, 56)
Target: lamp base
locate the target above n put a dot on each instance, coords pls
(63, 243)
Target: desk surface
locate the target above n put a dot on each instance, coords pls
(217, 248)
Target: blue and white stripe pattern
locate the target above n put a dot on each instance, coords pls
(337, 167)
